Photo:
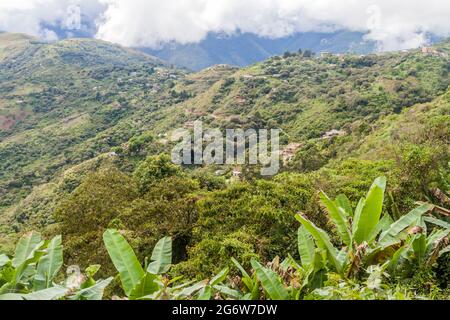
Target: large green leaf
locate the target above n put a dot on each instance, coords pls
(270, 282)
(434, 244)
(370, 213)
(383, 225)
(343, 202)
(220, 277)
(191, 290)
(436, 236)
(161, 257)
(357, 214)
(306, 247)
(49, 265)
(94, 292)
(26, 247)
(54, 293)
(147, 286)
(339, 218)
(11, 297)
(124, 259)
(28, 252)
(419, 246)
(4, 260)
(398, 256)
(205, 294)
(228, 292)
(437, 222)
(404, 222)
(246, 279)
(323, 241)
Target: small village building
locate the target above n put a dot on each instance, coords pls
(289, 152)
(333, 133)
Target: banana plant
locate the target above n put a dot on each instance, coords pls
(250, 287)
(150, 282)
(271, 282)
(367, 237)
(422, 249)
(31, 273)
(276, 280)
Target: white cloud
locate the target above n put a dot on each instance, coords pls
(37, 17)
(395, 24)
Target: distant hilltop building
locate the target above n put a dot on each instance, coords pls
(237, 175)
(333, 133)
(289, 152)
(430, 51)
(240, 100)
(237, 172)
(325, 54)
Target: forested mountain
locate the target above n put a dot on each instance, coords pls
(84, 138)
(59, 101)
(246, 49)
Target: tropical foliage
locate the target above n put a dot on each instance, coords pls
(85, 131)
(370, 259)
(32, 274)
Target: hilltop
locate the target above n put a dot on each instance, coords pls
(245, 49)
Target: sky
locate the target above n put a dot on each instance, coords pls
(393, 24)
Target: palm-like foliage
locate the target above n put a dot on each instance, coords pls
(370, 238)
(150, 282)
(31, 273)
(371, 243)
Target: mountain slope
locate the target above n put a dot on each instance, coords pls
(60, 102)
(64, 108)
(307, 97)
(246, 49)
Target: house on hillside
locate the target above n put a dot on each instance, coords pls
(430, 51)
(241, 100)
(333, 133)
(289, 152)
(325, 54)
(236, 174)
(189, 125)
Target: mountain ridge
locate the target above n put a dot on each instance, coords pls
(243, 49)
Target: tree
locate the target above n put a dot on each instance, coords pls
(155, 168)
(89, 210)
(308, 54)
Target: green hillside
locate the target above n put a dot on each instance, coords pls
(61, 104)
(84, 138)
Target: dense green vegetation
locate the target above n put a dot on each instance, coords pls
(84, 138)
(375, 251)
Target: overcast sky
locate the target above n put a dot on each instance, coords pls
(394, 24)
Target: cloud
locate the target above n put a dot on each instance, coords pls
(394, 24)
(41, 17)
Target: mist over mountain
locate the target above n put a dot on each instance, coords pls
(244, 49)
(191, 33)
